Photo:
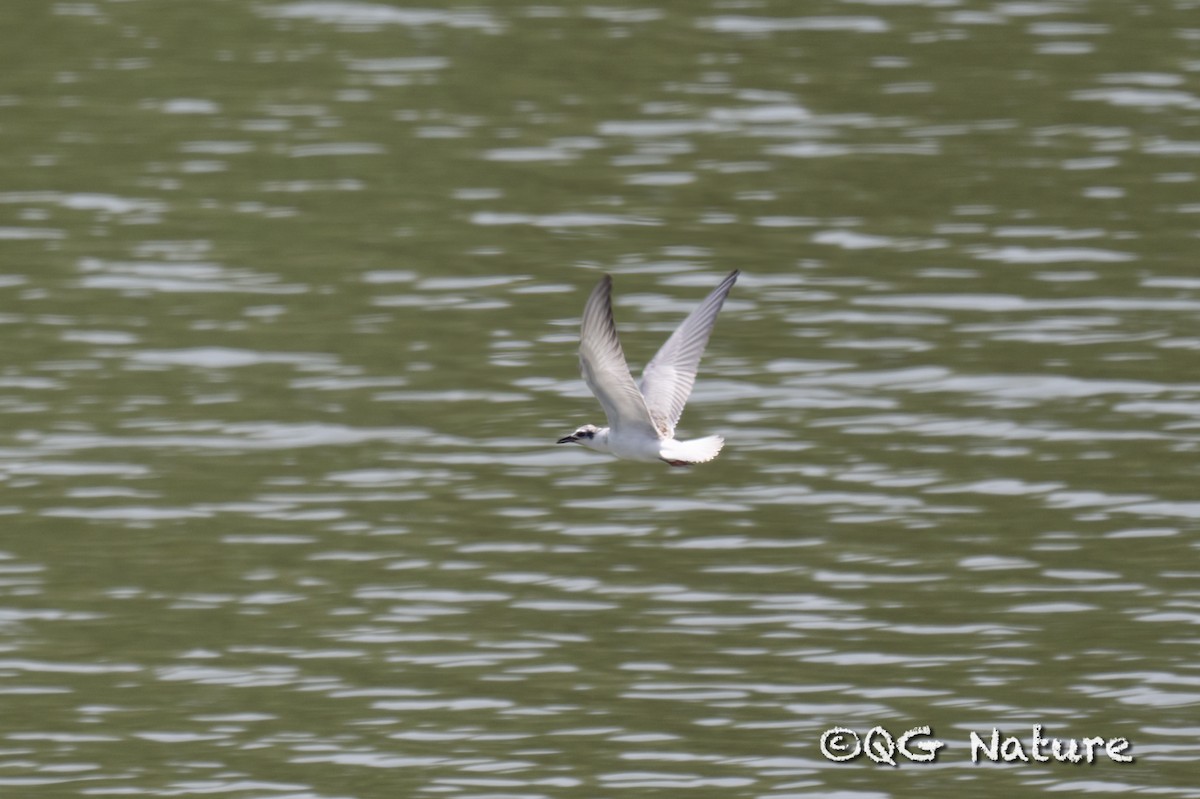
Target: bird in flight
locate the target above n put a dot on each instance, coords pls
(642, 419)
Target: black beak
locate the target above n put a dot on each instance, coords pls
(567, 440)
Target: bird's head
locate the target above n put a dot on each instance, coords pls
(584, 435)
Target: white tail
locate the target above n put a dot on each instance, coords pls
(698, 450)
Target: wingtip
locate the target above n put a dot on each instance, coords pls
(601, 292)
(603, 285)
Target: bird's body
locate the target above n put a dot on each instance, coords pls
(642, 419)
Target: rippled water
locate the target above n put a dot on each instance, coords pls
(290, 295)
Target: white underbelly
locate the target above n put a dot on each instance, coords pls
(636, 448)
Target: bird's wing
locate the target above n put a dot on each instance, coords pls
(602, 363)
(668, 379)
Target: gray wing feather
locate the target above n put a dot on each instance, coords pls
(602, 362)
(668, 379)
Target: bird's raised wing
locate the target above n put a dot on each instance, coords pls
(668, 379)
(602, 363)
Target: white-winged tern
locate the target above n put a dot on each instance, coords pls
(642, 419)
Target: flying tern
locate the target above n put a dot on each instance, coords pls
(642, 419)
